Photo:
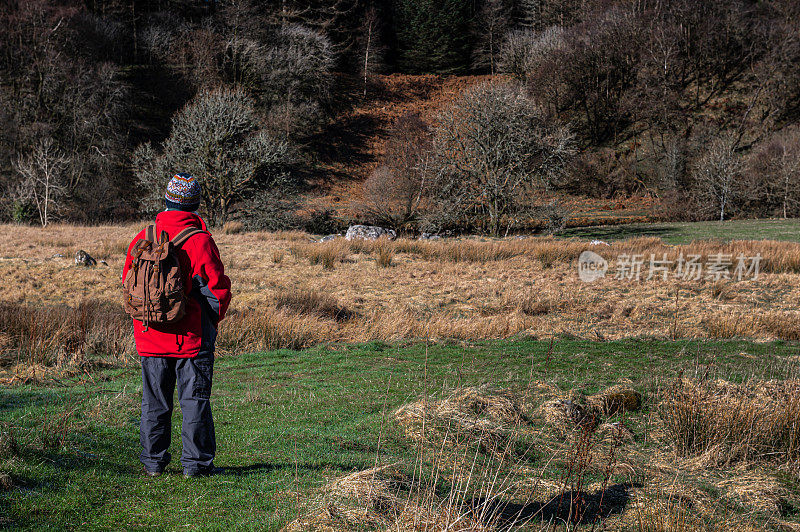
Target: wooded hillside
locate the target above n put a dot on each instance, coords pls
(484, 115)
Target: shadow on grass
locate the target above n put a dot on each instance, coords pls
(576, 507)
(268, 467)
(252, 469)
(14, 399)
(620, 232)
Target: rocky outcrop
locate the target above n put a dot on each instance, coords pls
(84, 259)
(369, 232)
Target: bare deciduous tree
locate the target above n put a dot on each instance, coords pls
(776, 164)
(217, 139)
(371, 48)
(716, 175)
(492, 25)
(493, 147)
(290, 77)
(396, 190)
(524, 51)
(43, 180)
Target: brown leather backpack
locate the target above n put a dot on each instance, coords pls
(154, 289)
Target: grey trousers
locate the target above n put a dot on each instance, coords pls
(193, 377)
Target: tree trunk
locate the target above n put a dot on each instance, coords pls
(211, 211)
(46, 199)
(785, 182)
(366, 57)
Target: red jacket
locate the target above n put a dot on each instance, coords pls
(206, 284)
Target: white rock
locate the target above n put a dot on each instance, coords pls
(369, 232)
(84, 259)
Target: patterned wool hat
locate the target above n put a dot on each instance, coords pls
(183, 193)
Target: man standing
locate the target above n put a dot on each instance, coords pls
(181, 351)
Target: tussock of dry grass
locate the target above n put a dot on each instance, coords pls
(384, 258)
(327, 254)
(493, 488)
(232, 228)
(264, 329)
(381, 498)
(314, 303)
(780, 325)
(477, 413)
(64, 336)
(720, 423)
(753, 489)
(565, 411)
(618, 398)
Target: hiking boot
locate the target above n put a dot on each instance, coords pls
(154, 473)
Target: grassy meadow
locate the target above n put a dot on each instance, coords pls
(686, 232)
(299, 429)
(460, 384)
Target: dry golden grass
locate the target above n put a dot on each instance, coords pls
(381, 498)
(478, 414)
(232, 228)
(719, 423)
(505, 466)
(467, 289)
(385, 256)
(495, 288)
(70, 339)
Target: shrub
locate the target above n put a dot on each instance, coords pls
(717, 176)
(525, 51)
(323, 222)
(773, 176)
(395, 191)
(217, 138)
(556, 216)
(493, 147)
(273, 210)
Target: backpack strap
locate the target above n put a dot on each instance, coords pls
(150, 233)
(185, 235)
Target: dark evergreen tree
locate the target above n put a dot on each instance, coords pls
(433, 35)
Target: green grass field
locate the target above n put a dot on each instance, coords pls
(287, 421)
(685, 232)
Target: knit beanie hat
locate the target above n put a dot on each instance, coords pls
(183, 193)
